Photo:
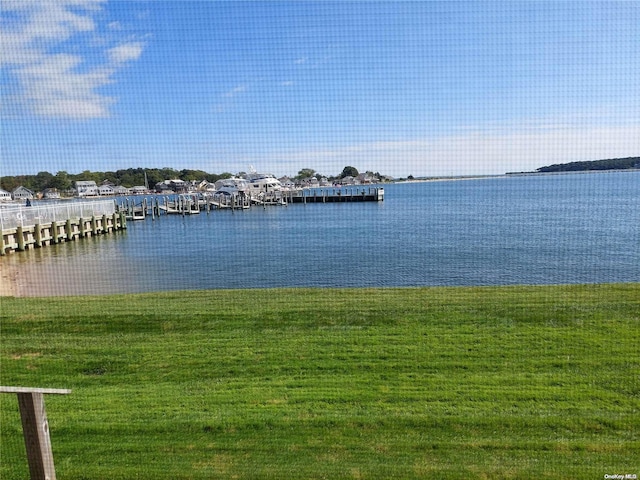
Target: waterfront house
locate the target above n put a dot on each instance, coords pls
(365, 178)
(120, 190)
(22, 193)
(106, 189)
(179, 186)
(50, 194)
(86, 188)
(4, 196)
(163, 187)
(138, 190)
(348, 180)
(172, 186)
(287, 183)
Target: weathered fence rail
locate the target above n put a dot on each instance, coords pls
(25, 227)
(12, 216)
(35, 428)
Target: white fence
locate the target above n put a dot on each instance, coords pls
(12, 216)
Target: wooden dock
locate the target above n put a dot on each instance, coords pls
(24, 227)
(190, 204)
(336, 195)
(36, 226)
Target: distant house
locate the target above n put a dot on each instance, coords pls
(50, 194)
(287, 182)
(138, 190)
(175, 186)
(348, 180)
(106, 190)
(120, 190)
(86, 188)
(365, 178)
(163, 187)
(179, 186)
(22, 193)
(4, 196)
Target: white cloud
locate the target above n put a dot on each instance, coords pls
(52, 88)
(60, 84)
(126, 52)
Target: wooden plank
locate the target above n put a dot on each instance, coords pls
(60, 391)
(35, 429)
(36, 436)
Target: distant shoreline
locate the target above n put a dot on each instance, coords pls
(511, 174)
(569, 172)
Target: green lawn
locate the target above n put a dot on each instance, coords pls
(506, 382)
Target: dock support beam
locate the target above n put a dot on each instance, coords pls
(20, 235)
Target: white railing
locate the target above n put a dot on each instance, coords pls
(12, 216)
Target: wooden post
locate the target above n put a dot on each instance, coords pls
(20, 235)
(68, 230)
(54, 232)
(37, 233)
(35, 429)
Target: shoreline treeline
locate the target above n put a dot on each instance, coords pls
(609, 164)
(64, 181)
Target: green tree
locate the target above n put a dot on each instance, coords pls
(9, 183)
(61, 181)
(306, 173)
(187, 175)
(41, 181)
(349, 172)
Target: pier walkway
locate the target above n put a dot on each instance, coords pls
(25, 227)
(335, 195)
(193, 203)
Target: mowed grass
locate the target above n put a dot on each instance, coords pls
(506, 382)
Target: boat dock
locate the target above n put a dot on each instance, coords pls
(336, 195)
(195, 203)
(26, 227)
(37, 226)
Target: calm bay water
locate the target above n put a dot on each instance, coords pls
(555, 229)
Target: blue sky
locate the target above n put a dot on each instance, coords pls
(422, 88)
